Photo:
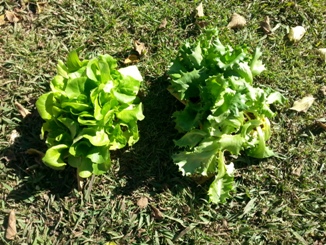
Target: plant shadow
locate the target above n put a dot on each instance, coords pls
(22, 158)
(148, 164)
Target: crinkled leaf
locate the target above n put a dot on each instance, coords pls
(256, 64)
(200, 161)
(191, 139)
(220, 188)
(223, 111)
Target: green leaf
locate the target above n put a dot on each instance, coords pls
(123, 98)
(256, 65)
(231, 143)
(87, 119)
(118, 139)
(73, 62)
(80, 148)
(260, 150)
(91, 109)
(58, 83)
(62, 69)
(75, 87)
(131, 113)
(223, 111)
(70, 124)
(99, 154)
(92, 70)
(104, 69)
(85, 168)
(96, 136)
(199, 161)
(191, 138)
(220, 189)
(44, 105)
(54, 157)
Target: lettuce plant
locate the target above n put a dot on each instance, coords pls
(223, 113)
(92, 108)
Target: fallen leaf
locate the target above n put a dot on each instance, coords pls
(140, 48)
(225, 223)
(2, 20)
(32, 151)
(323, 90)
(163, 24)
(11, 230)
(132, 58)
(322, 52)
(142, 202)
(297, 171)
(296, 33)
(264, 210)
(321, 125)
(11, 16)
(265, 26)
(22, 110)
(110, 243)
(237, 21)
(200, 10)
(157, 213)
(12, 137)
(304, 104)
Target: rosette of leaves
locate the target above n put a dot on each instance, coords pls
(92, 108)
(223, 113)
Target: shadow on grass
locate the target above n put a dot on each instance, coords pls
(148, 165)
(145, 166)
(32, 174)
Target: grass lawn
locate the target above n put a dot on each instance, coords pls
(277, 200)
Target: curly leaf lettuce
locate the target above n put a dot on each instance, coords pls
(223, 111)
(92, 108)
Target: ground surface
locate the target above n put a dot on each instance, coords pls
(278, 200)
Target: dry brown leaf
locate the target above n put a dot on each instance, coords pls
(131, 59)
(32, 151)
(12, 137)
(265, 26)
(322, 52)
(11, 16)
(22, 110)
(142, 202)
(304, 104)
(2, 20)
(140, 48)
(157, 213)
(11, 230)
(323, 90)
(200, 10)
(297, 171)
(163, 24)
(225, 223)
(237, 21)
(321, 125)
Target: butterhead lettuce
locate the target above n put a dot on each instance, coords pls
(92, 108)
